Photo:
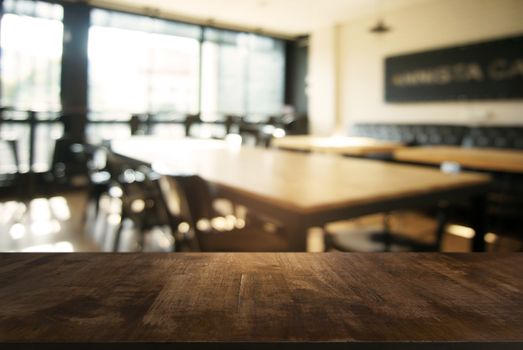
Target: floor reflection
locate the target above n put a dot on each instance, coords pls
(52, 224)
(66, 223)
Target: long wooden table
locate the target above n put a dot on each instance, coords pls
(354, 146)
(306, 190)
(488, 159)
(261, 301)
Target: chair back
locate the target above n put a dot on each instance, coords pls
(188, 199)
(115, 165)
(195, 198)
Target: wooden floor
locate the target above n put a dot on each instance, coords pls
(64, 223)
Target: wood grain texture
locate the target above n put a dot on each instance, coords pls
(301, 182)
(488, 159)
(271, 297)
(354, 146)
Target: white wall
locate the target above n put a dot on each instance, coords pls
(322, 80)
(423, 26)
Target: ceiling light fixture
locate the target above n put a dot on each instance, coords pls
(380, 27)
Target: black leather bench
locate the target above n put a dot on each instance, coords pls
(412, 134)
(505, 201)
(443, 134)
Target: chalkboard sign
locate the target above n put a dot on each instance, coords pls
(483, 71)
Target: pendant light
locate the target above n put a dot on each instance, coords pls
(380, 27)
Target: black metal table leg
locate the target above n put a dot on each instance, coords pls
(479, 222)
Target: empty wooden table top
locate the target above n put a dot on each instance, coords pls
(412, 301)
(488, 159)
(355, 146)
(303, 182)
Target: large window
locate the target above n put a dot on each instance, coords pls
(31, 41)
(242, 74)
(139, 64)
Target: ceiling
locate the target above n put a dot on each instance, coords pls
(283, 17)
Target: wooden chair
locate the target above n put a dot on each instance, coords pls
(189, 200)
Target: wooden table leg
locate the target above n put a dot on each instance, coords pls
(297, 233)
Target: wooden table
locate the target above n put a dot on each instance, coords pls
(306, 190)
(488, 159)
(261, 301)
(354, 146)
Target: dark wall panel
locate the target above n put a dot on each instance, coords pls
(296, 73)
(483, 71)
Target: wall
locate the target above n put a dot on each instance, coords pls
(422, 26)
(322, 81)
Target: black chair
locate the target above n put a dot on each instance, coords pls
(13, 146)
(11, 182)
(11, 179)
(232, 123)
(194, 207)
(190, 120)
(68, 164)
(135, 186)
(99, 178)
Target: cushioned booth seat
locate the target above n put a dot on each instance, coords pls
(412, 134)
(504, 202)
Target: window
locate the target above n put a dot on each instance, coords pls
(242, 74)
(139, 64)
(155, 68)
(31, 41)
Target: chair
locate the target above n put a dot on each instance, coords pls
(190, 120)
(99, 178)
(68, 166)
(7, 180)
(12, 145)
(135, 185)
(189, 200)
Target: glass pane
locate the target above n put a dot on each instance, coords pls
(31, 62)
(117, 73)
(34, 9)
(265, 83)
(103, 18)
(147, 72)
(98, 133)
(223, 80)
(242, 74)
(173, 74)
(45, 139)
(8, 164)
(19, 133)
(31, 44)
(169, 130)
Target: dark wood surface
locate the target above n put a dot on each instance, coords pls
(412, 299)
